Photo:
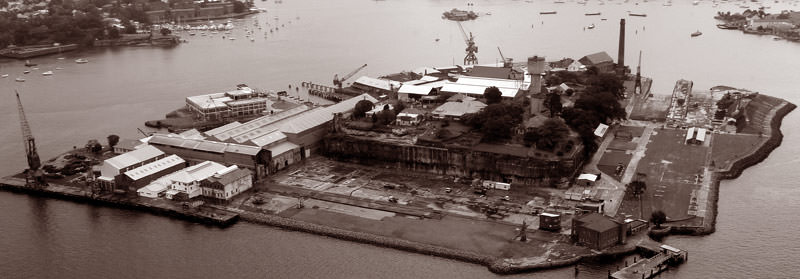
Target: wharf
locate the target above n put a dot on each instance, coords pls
(664, 257)
(23, 52)
(200, 214)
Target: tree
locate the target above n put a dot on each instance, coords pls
(399, 107)
(113, 33)
(361, 108)
(165, 31)
(112, 140)
(606, 83)
(637, 187)
(551, 133)
(658, 217)
(493, 95)
(496, 120)
(603, 104)
(554, 104)
(385, 117)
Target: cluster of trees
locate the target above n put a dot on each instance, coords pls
(548, 135)
(496, 120)
(599, 103)
(383, 117)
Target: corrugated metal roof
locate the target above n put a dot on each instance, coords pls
(223, 128)
(204, 145)
(197, 172)
(281, 148)
(383, 84)
(319, 116)
(154, 167)
(487, 82)
(415, 89)
(259, 122)
(457, 109)
(230, 177)
(269, 138)
(134, 157)
(191, 134)
(596, 58)
(477, 89)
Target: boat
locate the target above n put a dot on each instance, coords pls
(777, 38)
(696, 2)
(547, 13)
(48, 73)
(697, 33)
(81, 61)
(4, 76)
(19, 79)
(459, 15)
(28, 63)
(592, 14)
(725, 26)
(26, 72)
(437, 39)
(59, 68)
(636, 14)
(591, 26)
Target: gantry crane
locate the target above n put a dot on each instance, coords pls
(34, 163)
(338, 81)
(470, 59)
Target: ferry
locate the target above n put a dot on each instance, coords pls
(81, 61)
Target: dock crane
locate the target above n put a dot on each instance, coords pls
(338, 81)
(501, 54)
(33, 172)
(471, 49)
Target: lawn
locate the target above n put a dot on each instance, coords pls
(725, 148)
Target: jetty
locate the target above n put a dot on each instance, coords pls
(665, 256)
(23, 52)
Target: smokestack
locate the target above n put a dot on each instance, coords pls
(621, 54)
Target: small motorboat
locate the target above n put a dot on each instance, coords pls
(591, 26)
(697, 33)
(4, 76)
(81, 61)
(19, 79)
(48, 73)
(26, 72)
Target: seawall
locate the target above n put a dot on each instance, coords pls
(735, 170)
(7, 185)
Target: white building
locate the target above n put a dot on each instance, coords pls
(227, 183)
(117, 165)
(188, 180)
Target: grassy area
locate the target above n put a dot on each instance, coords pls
(726, 148)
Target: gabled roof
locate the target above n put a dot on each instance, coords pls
(477, 89)
(316, 117)
(383, 84)
(128, 144)
(223, 128)
(197, 172)
(204, 145)
(282, 148)
(230, 177)
(415, 89)
(457, 109)
(268, 139)
(596, 58)
(259, 122)
(154, 167)
(597, 222)
(134, 157)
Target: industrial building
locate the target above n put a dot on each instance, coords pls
(601, 60)
(597, 231)
(195, 150)
(119, 164)
(187, 181)
(134, 179)
(226, 184)
(218, 106)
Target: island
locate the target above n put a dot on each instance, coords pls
(518, 166)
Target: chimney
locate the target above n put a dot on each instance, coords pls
(621, 54)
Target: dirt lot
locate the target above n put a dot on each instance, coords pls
(729, 147)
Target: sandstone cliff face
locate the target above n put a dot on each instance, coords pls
(455, 161)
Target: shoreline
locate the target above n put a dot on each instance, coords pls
(494, 264)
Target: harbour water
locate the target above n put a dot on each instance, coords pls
(120, 88)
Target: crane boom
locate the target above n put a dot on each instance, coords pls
(471, 47)
(338, 81)
(30, 144)
(501, 54)
(463, 34)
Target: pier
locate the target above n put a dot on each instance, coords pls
(665, 256)
(323, 91)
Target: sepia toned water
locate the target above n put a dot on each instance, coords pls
(120, 88)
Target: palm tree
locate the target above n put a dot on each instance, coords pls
(658, 217)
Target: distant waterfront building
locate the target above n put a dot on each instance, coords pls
(409, 117)
(576, 66)
(601, 60)
(218, 106)
(226, 183)
(127, 145)
(476, 86)
(770, 23)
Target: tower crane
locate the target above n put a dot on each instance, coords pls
(34, 163)
(471, 49)
(338, 81)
